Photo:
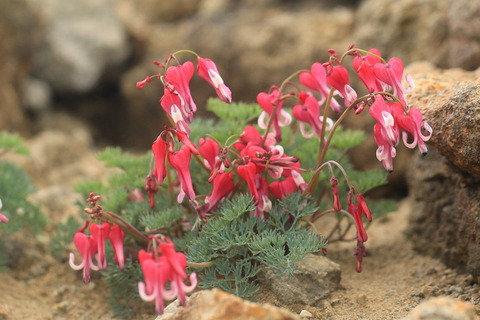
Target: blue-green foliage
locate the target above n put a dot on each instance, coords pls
(239, 243)
(15, 186)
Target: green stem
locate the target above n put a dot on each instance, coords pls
(321, 145)
(361, 51)
(273, 116)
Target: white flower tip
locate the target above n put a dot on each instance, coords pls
(143, 294)
(71, 261)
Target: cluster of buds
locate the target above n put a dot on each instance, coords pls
(162, 266)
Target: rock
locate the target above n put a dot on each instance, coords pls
(464, 40)
(215, 304)
(315, 278)
(443, 308)
(305, 314)
(20, 36)
(84, 39)
(37, 95)
(445, 184)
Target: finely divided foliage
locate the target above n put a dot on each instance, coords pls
(236, 197)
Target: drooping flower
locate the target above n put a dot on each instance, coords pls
(281, 118)
(3, 219)
(357, 208)
(309, 112)
(280, 189)
(412, 123)
(100, 234)
(364, 65)
(316, 79)
(180, 161)
(159, 148)
(337, 206)
(386, 148)
(337, 78)
(178, 79)
(116, 237)
(208, 149)
(247, 172)
(208, 71)
(87, 248)
(178, 263)
(392, 74)
(151, 187)
(222, 185)
(382, 113)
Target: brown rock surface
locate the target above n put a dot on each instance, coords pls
(218, 305)
(445, 185)
(443, 308)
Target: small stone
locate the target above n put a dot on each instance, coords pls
(315, 278)
(305, 314)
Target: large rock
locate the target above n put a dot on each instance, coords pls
(20, 35)
(84, 39)
(215, 304)
(446, 183)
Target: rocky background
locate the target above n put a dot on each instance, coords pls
(84, 57)
(67, 82)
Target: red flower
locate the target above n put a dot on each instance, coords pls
(309, 112)
(364, 65)
(208, 71)
(412, 123)
(337, 206)
(100, 234)
(316, 80)
(247, 172)
(116, 237)
(180, 161)
(338, 79)
(85, 245)
(222, 185)
(177, 80)
(208, 149)
(392, 74)
(157, 272)
(357, 210)
(159, 148)
(3, 219)
(280, 189)
(267, 102)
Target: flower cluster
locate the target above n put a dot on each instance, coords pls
(254, 161)
(93, 246)
(162, 267)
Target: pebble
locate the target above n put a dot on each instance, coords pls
(306, 314)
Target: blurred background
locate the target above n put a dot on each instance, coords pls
(76, 62)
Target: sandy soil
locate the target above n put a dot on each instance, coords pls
(394, 279)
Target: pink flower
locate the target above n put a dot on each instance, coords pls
(151, 187)
(116, 237)
(309, 112)
(180, 161)
(280, 189)
(177, 80)
(100, 233)
(222, 185)
(208, 149)
(247, 172)
(281, 118)
(392, 74)
(337, 206)
(178, 262)
(3, 219)
(86, 246)
(364, 65)
(337, 78)
(183, 137)
(383, 114)
(143, 83)
(208, 71)
(159, 148)
(157, 272)
(357, 210)
(171, 104)
(316, 80)
(412, 123)
(386, 149)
